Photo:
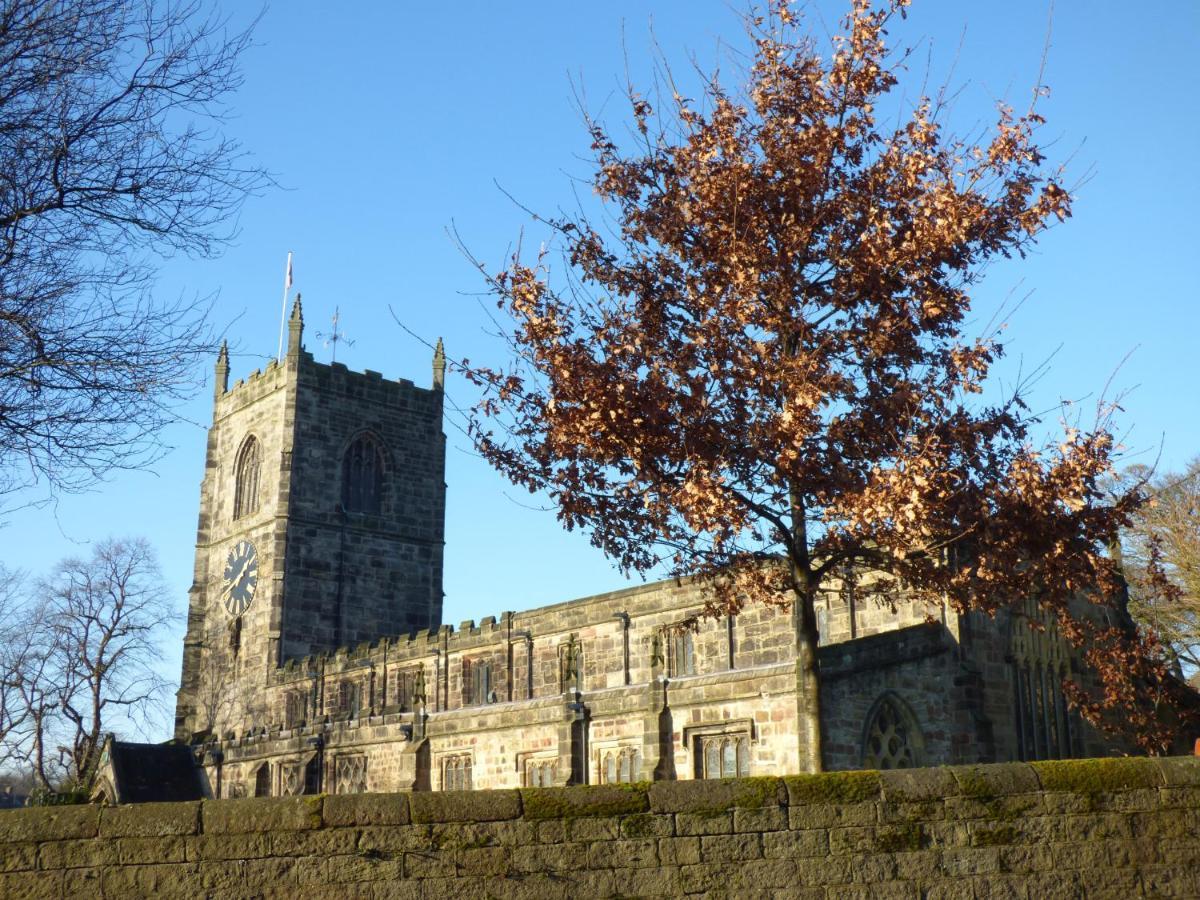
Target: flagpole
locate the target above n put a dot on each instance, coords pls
(287, 283)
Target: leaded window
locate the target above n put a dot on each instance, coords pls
(408, 684)
(540, 772)
(294, 711)
(477, 682)
(246, 477)
(893, 739)
(618, 765)
(362, 476)
(456, 773)
(349, 700)
(351, 774)
(683, 654)
(723, 755)
(262, 781)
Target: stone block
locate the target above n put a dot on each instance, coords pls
(49, 823)
(933, 810)
(793, 844)
(828, 815)
(53, 855)
(892, 891)
(552, 857)
(588, 829)
(647, 825)
(1179, 770)
(771, 818)
(230, 846)
(361, 868)
(80, 883)
(831, 870)
(908, 785)
(260, 814)
(699, 795)
(833, 788)
(918, 865)
(380, 839)
(658, 881)
(986, 782)
(169, 880)
(633, 854)
(553, 831)
(1001, 887)
(141, 850)
(465, 806)
(321, 842)
(484, 861)
(1185, 797)
(680, 851)
(1094, 776)
(429, 864)
(598, 800)
(730, 847)
(1027, 858)
(31, 885)
(704, 823)
(366, 809)
(150, 819)
(970, 861)
(18, 857)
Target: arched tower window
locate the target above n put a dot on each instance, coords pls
(245, 497)
(362, 476)
(892, 739)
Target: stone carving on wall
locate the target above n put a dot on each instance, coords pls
(570, 663)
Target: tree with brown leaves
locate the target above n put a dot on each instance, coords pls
(760, 376)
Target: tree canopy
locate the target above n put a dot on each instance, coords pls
(757, 370)
(111, 151)
(1162, 561)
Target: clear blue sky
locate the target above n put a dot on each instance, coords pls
(386, 122)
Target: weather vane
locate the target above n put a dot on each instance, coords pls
(335, 337)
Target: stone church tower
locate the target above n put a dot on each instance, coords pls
(321, 525)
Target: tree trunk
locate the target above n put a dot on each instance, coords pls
(804, 622)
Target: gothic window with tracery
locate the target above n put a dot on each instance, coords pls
(351, 774)
(1040, 659)
(362, 476)
(723, 755)
(456, 773)
(893, 739)
(246, 478)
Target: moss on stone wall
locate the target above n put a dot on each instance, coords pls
(1016, 829)
(1095, 776)
(834, 787)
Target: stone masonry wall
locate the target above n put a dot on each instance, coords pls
(1085, 828)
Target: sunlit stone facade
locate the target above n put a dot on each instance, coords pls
(333, 673)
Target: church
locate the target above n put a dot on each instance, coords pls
(316, 660)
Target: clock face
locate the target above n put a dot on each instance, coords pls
(241, 577)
